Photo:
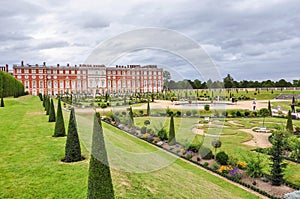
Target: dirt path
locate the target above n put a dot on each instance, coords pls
(258, 140)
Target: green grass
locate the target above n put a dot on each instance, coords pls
(30, 164)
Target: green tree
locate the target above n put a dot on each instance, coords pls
(99, 181)
(148, 108)
(44, 100)
(47, 105)
(51, 112)
(166, 78)
(216, 144)
(172, 139)
(289, 123)
(59, 130)
(264, 113)
(269, 108)
(276, 157)
(228, 81)
(72, 149)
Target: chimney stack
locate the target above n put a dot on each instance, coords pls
(44, 63)
(57, 65)
(22, 63)
(68, 65)
(6, 68)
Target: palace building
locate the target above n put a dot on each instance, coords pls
(88, 79)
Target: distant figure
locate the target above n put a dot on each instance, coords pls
(254, 104)
(293, 108)
(278, 107)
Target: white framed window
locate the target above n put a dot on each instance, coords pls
(123, 83)
(33, 84)
(73, 71)
(26, 76)
(67, 84)
(61, 72)
(55, 84)
(103, 83)
(26, 84)
(26, 71)
(119, 83)
(73, 84)
(128, 83)
(41, 84)
(41, 71)
(109, 85)
(61, 84)
(49, 84)
(18, 70)
(19, 76)
(78, 84)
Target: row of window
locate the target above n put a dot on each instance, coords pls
(134, 72)
(39, 71)
(134, 84)
(56, 84)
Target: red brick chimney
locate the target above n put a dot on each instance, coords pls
(22, 63)
(44, 63)
(6, 68)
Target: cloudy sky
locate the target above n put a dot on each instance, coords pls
(250, 39)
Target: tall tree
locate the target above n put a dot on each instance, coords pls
(228, 81)
(72, 149)
(99, 182)
(289, 123)
(172, 139)
(51, 112)
(59, 130)
(276, 156)
(166, 78)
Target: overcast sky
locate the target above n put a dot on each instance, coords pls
(250, 39)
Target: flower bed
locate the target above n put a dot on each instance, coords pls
(235, 174)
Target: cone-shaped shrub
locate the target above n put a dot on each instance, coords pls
(72, 150)
(41, 96)
(2, 102)
(289, 123)
(51, 112)
(59, 130)
(44, 99)
(99, 182)
(269, 108)
(131, 120)
(172, 139)
(148, 109)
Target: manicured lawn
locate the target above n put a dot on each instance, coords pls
(30, 164)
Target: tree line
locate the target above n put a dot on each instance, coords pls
(9, 86)
(228, 82)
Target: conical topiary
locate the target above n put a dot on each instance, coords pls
(59, 130)
(289, 123)
(72, 150)
(99, 181)
(172, 139)
(51, 112)
(131, 120)
(148, 108)
(44, 99)
(2, 102)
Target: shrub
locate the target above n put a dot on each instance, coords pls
(141, 112)
(189, 155)
(172, 139)
(238, 114)
(206, 107)
(205, 153)
(222, 158)
(99, 180)
(162, 134)
(146, 122)
(188, 113)
(72, 150)
(241, 165)
(103, 105)
(247, 113)
(233, 113)
(143, 130)
(59, 130)
(205, 164)
(194, 112)
(178, 113)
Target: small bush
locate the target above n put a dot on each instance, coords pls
(238, 114)
(206, 107)
(162, 134)
(146, 122)
(188, 113)
(143, 130)
(178, 113)
(222, 158)
(205, 153)
(247, 113)
(205, 164)
(103, 105)
(194, 112)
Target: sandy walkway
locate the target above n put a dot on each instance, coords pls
(258, 140)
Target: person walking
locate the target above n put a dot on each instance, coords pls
(254, 104)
